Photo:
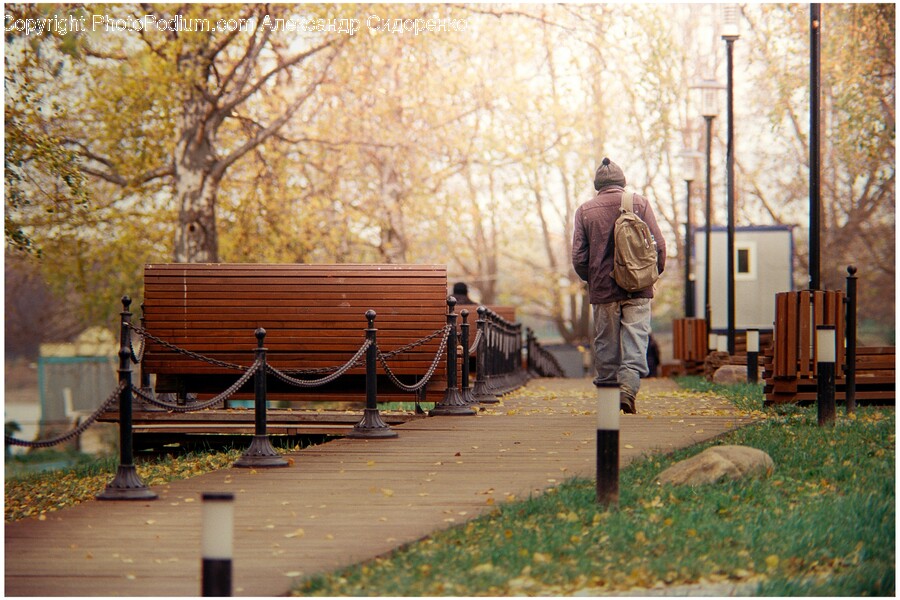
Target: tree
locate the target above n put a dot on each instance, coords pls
(858, 174)
(200, 83)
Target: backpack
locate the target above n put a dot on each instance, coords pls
(634, 266)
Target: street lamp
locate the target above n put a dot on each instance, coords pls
(688, 160)
(730, 33)
(815, 208)
(709, 108)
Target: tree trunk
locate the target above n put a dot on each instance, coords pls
(196, 187)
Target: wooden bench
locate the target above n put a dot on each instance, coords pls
(797, 314)
(689, 340)
(314, 317)
(789, 365)
(875, 380)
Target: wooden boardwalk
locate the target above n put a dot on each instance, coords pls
(347, 501)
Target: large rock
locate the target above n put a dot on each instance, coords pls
(717, 463)
(730, 374)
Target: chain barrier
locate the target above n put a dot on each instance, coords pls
(212, 361)
(231, 391)
(474, 347)
(137, 358)
(74, 432)
(324, 380)
(417, 343)
(414, 388)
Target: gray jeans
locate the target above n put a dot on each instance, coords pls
(621, 337)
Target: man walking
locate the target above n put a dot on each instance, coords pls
(621, 318)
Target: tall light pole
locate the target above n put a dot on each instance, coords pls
(709, 108)
(688, 160)
(815, 70)
(730, 33)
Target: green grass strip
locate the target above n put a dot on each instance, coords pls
(823, 523)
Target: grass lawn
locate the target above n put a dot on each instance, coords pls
(822, 524)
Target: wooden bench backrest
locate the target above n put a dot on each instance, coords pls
(690, 339)
(796, 316)
(314, 315)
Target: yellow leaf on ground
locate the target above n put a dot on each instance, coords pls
(295, 534)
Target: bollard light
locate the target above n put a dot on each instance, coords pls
(825, 359)
(608, 444)
(217, 541)
(752, 355)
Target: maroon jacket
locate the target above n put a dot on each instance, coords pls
(592, 248)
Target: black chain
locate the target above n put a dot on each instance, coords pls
(194, 355)
(203, 405)
(416, 344)
(74, 432)
(474, 347)
(324, 380)
(137, 358)
(414, 388)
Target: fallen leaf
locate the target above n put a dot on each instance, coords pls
(295, 534)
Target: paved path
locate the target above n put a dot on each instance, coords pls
(346, 501)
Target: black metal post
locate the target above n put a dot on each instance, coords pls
(850, 366)
(825, 359)
(608, 444)
(217, 539)
(688, 251)
(729, 42)
(371, 426)
(481, 393)
(531, 359)
(260, 453)
(127, 484)
(466, 390)
(452, 403)
(709, 217)
(815, 18)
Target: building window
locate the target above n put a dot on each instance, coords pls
(745, 261)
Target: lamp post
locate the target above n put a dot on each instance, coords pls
(688, 160)
(815, 208)
(709, 107)
(730, 33)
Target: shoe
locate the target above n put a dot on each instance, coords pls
(626, 403)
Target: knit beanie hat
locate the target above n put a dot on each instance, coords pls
(608, 173)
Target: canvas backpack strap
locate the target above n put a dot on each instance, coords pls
(628, 201)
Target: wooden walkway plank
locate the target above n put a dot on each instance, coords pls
(347, 500)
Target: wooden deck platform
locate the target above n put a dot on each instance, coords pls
(348, 500)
